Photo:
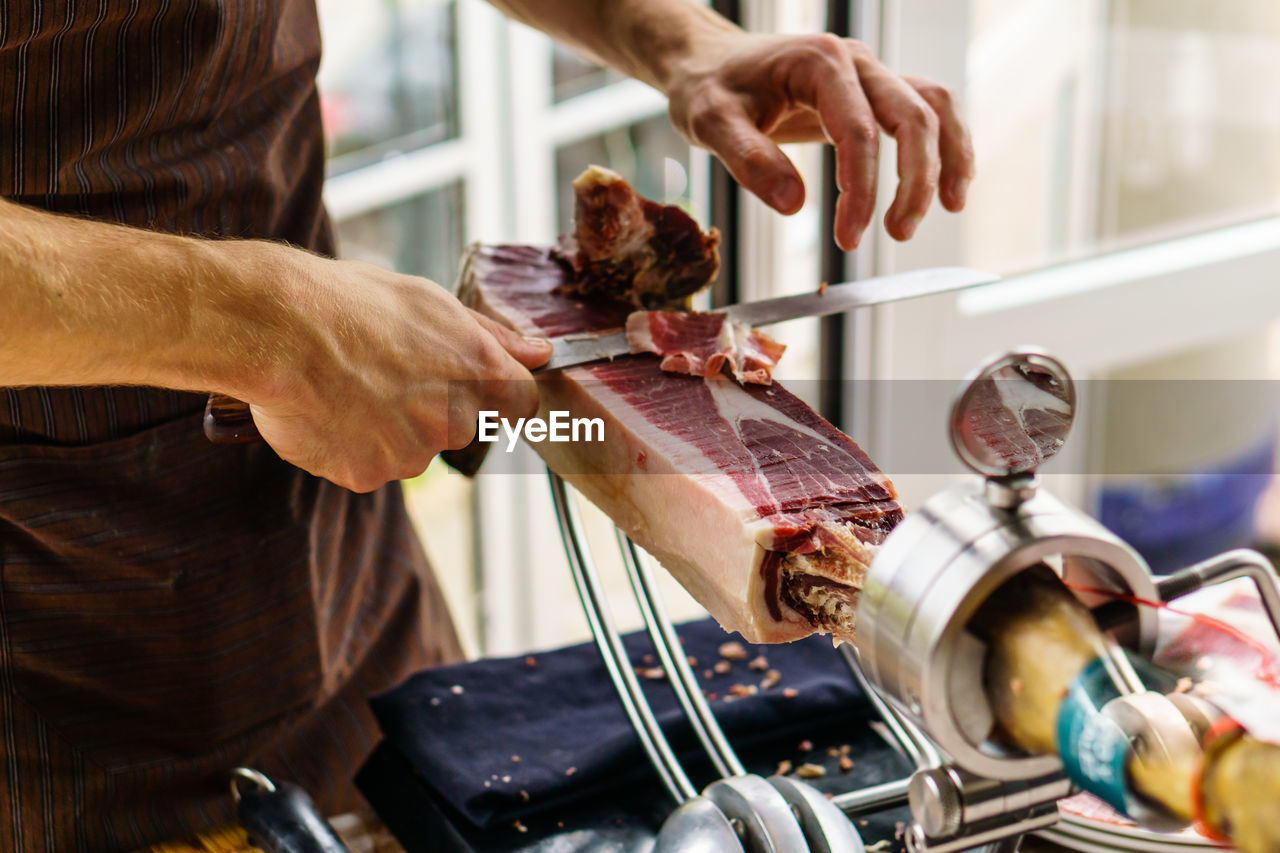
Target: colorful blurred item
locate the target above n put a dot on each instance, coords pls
(228, 839)
(1176, 521)
(361, 832)
(1188, 447)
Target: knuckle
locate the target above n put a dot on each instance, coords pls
(360, 481)
(865, 134)
(858, 49)
(707, 111)
(826, 46)
(756, 160)
(461, 432)
(413, 466)
(920, 119)
(492, 360)
(938, 95)
(703, 124)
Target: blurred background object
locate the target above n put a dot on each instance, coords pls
(1128, 189)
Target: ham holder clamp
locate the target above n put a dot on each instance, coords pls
(916, 657)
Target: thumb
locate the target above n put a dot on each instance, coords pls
(531, 352)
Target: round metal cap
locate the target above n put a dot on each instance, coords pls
(935, 802)
(1013, 414)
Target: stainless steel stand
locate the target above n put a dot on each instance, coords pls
(740, 811)
(912, 632)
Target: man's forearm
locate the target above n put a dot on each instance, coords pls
(352, 372)
(90, 303)
(645, 39)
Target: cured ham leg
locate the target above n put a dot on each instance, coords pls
(766, 513)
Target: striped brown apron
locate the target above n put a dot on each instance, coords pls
(170, 609)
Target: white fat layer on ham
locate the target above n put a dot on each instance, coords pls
(640, 333)
(735, 407)
(717, 547)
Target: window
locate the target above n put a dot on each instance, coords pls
(1112, 123)
(421, 235)
(1127, 189)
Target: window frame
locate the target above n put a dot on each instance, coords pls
(1083, 312)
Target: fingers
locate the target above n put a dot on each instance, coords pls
(846, 117)
(504, 388)
(777, 89)
(756, 162)
(530, 352)
(829, 84)
(907, 117)
(954, 144)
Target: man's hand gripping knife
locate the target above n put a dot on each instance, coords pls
(353, 373)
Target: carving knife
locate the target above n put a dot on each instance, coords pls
(227, 420)
(572, 350)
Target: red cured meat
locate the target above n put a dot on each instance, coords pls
(1015, 420)
(704, 344)
(629, 248)
(766, 513)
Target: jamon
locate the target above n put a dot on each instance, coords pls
(632, 249)
(766, 513)
(1016, 419)
(704, 344)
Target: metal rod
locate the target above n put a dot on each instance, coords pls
(914, 745)
(1240, 563)
(883, 796)
(1120, 668)
(611, 649)
(681, 676)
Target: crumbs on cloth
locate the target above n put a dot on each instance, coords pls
(501, 740)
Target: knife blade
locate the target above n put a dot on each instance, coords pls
(572, 350)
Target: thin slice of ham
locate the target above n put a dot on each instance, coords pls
(766, 513)
(703, 344)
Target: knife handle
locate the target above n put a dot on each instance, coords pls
(229, 421)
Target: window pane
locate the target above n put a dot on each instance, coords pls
(440, 505)
(572, 75)
(651, 155)
(387, 81)
(1105, 123)
(419, 236)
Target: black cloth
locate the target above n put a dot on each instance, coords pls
(498, 739)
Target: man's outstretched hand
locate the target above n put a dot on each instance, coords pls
(739, 94)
